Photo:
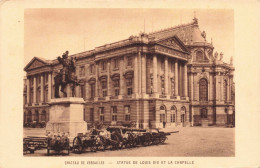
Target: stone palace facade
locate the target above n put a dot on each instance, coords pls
(166, 78)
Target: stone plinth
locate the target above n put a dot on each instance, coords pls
(66, 115)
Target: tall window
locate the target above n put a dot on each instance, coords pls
(162, 65)
(91, 68)
(91, 114)
(116, 63)
(104, 88)
(82, 71)
(127, 113)
(114, 113)
(172, 86)
(116, 87)
(129, 83)
(129, 61)
(203, 89)
(204, 113)
(92, 90)
(101, 114)
(162, 85)
(199, 56)
(36, 115)
(162, 114)
(225, 89)
(82, 91)
(173, 114)
(104, 66)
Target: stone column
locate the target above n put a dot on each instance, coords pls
(155, 80)
(143, 71)
(108, 79)
(185, 81)
(139, 72)
(42, 89)
(97, 81)
(166, 76)
(228, 90)
(191, 86)
(28, 90)
(122, 87)
(34, 89)
(135, 74)
(49, 86)
(176, 91)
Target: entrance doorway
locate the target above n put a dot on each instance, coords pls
(163, 116)
(183, 116)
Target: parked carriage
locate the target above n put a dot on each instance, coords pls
(31, 144)
(58, 144)
(88, 141)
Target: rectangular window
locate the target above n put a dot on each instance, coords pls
(82, 91)
(114, 113)
(82, 71)
(101, 113)
(92, 90)
(127, 113)
(104, 84)
(162, 65)
(129, 82)
(129, 61)
(91, 68)
(104, 66)
(116, 92)
(104, 93)
(92, 114)
(115, 63)
(129, 91)
(116, 83)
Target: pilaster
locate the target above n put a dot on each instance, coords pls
(176, 78)
(49, 86)
(34, 89)
(135, 91)
(42, 89)
(185, 81)
(28, 90)
(166, 76)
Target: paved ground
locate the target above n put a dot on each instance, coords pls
(191, 141)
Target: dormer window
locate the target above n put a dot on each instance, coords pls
(199, 56)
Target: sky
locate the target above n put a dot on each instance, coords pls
(49, 32)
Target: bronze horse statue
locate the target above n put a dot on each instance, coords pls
(67, 75)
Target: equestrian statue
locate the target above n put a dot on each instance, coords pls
(67, 75)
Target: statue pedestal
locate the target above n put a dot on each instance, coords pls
(66, 115)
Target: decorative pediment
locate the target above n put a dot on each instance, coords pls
(174, 43)
(35, 63)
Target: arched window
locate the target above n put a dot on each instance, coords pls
(225, 90)
(36, 115)
(203, 89)
(199, 56)
(162, 114)
(29, 116)
(43, 116)
(173, 114)
(204, 113)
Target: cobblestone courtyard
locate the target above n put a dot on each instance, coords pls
(190, 142)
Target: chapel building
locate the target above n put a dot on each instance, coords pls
(167, 78)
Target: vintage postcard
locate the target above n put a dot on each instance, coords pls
(130, 86)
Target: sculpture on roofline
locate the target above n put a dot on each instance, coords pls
(216, 55)
(221, 56)
(67, 75)
(231, 60)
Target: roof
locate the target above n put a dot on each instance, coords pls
(187, 33)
